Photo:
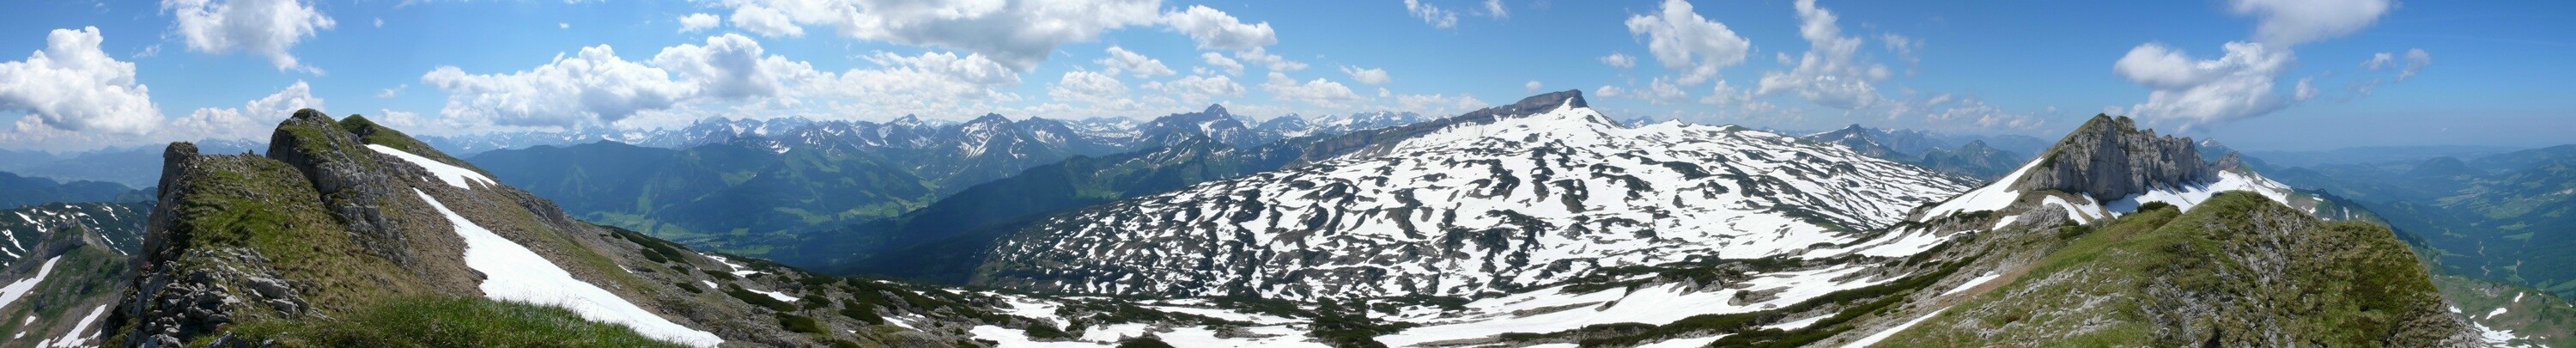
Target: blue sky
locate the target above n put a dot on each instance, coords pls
(2455, 72)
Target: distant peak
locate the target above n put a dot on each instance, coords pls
(2110, 157)
(991, 118)
(1218, 109)
(1571, 98)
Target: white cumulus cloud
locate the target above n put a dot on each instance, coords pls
(1367, 76)
(263, 27)
(591, 85)
(698, 21)
(1688, 43)
(1532, 86)
(1216, 29)
(2290, 22)
(1275, 62)
(1319, 92)
(766, 21)
(73, 86)
(1017, 33)
(1194, 90)
(2236, 85)
(1619, 60)
(249, 122)
(1221, 62)
(1122, 60)
(728, 66)
(1088, 87)
(1829, 73)
(1436, 16)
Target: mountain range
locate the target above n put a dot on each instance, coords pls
(761, 187)
(1969, 156)
(1541, 222)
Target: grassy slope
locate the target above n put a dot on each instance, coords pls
(436, 321)
(2238, 270)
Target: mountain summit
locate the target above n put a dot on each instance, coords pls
(1500, 199)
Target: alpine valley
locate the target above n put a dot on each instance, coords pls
(1537, 223)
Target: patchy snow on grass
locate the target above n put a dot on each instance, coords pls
(1271, 336)
(2498, 311)
(516, 274)
(15, 290)
(1693, 342)
(738, 269)
(453, 175)
(1548, 310)
(75, 338)
(1114, 332)
(1972, 282)
(2494, 337)
(1016, 338)
(1882, 335)
(781, 296)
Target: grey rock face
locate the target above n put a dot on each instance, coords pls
(2110, 158)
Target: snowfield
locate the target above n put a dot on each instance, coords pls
(2188, 196)
(453, 175)
(1525, 200)
(1551, 311)
(516, 274)
(17, 289)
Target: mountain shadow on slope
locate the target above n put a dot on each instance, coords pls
(944, 242)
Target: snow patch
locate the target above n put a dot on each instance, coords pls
(1972, 282)
(516, 274)
(2188, 196)
(453, 175)
(738, 269)
(1891, 332)
(1994, 196)
(15, 290)
(75, 338)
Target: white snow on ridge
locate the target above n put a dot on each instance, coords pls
(15, 290)
(2186, 197)
(453, 175)
(2081, 213)
(517, 274)
(1994, 196)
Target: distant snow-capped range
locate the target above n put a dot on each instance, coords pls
(781, 133)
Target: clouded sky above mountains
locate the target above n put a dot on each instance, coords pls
(2269, 74)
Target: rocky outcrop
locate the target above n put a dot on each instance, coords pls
(346, 175)
(2109, 158)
